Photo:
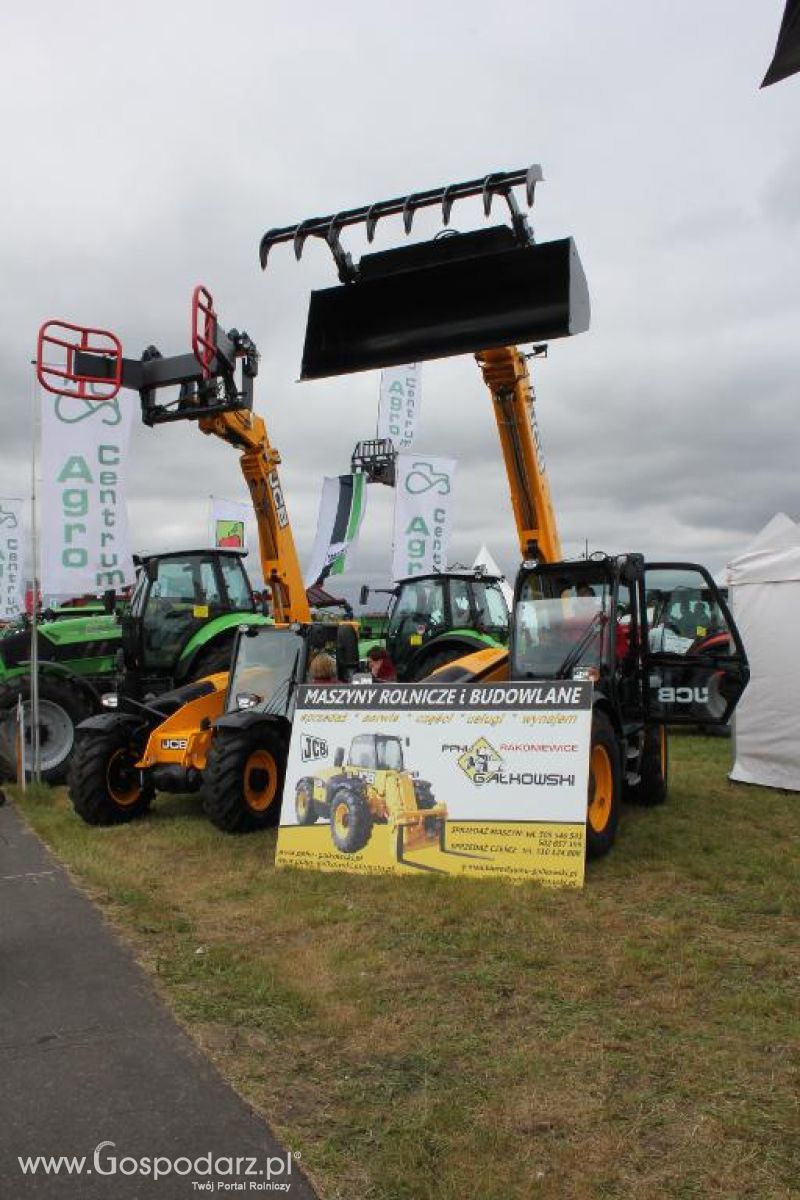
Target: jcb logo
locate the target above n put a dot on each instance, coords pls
(174, 743)
(277, 499)
(683, 695)
(312, 747)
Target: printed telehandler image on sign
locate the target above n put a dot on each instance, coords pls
(457, 779)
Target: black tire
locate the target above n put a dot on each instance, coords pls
(104, 786)
(62, 707)
(437, 658)
(305, 809)
(425, 798)
(350, 819)
(210, 661)
(243, 780)
(652, 786)
(605, 787)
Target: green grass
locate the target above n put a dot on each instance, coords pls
(438, 1039)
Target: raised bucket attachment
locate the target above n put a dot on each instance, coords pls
(457, 294)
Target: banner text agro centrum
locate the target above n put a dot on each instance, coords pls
(85, 544)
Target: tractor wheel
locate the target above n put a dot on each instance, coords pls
(104, 785)
(432, 662)
(211, 660)
(652, 786)
(605, 777)
(351, 820)
(243, 779)
(304, 806)
(425, 798)
(61, 707)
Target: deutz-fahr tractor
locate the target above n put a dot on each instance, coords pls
(437, 618)
(226, 736)
(178, 626)
(373, 787)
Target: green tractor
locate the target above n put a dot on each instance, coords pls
(179, 626)
(435, 619)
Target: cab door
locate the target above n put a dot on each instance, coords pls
(695, 667)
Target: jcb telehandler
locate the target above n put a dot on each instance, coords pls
(178, 740)
(600, 619)
(177, 627)
(372, 787)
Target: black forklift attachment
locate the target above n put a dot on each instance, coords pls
(455, 294)
(87, 364)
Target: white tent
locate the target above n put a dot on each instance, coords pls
(764, 583)
(484, 559)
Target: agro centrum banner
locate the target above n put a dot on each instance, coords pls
(12, 588)
(422, 514)
(398, 410)
(228, 522)
(85, 542)
(464, 779)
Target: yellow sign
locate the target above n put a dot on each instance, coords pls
(403, 778)
(200, 612)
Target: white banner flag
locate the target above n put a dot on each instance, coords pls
(85, 542)
(422, 514)
(398, 410)
(228, 522)
(12, 586)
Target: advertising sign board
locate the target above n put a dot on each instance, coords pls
(464, 779)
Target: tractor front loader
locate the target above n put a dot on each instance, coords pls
(373, 787)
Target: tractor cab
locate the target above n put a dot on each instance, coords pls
(180, 605)
(435, 619)
(656, 639)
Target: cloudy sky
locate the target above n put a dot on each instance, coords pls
(148, 147)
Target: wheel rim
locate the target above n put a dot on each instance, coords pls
(302, 803)
(122, 779)
(601, 789)
(341, 818)
(56, 733)
(260, 780)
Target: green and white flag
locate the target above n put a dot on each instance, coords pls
(84, 521)
(341, 511)
(12, 589)
(400, 398)
(423, 514)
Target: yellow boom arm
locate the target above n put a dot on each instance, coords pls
(505, 371)
(247, 432)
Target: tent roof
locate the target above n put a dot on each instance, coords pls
(772, 557)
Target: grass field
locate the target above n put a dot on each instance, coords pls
(442, 1039)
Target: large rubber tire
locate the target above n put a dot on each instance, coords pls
(104, 786)
(243, 780)
(62, 707)
(305, 809)
(652, 786)
(605, 787)
(423, 793)
(351, 819)
(436, 659)
(210, 661)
